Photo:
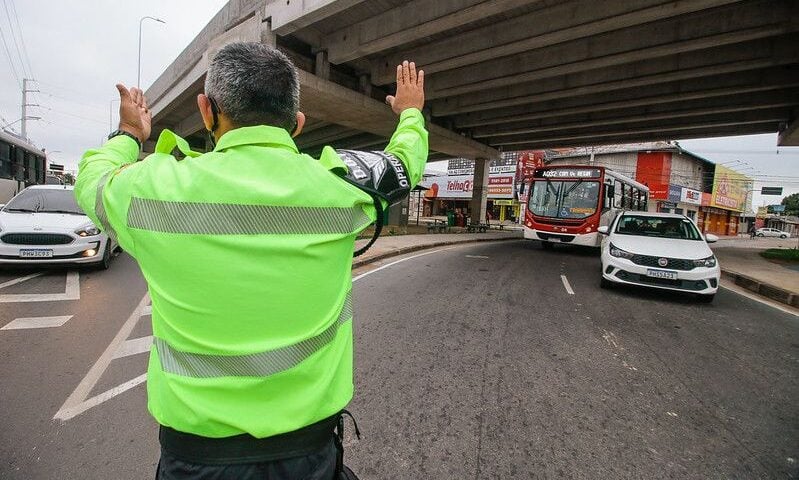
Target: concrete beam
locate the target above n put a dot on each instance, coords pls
(478, 204)
(761, 54)
(768, 80)
(560, 23)
(289, 16)
(672, 37)
(190, 125)
(409, 22)
(674, 134)
(789, 135)
(684, 111)
(773, 117)
(325, 100)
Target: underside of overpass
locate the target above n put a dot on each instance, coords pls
(516, 74)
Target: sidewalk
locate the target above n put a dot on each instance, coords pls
(390, 246)
(742, 264)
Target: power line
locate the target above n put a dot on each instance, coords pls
(10, 59)
(21, 38)
(25, 72)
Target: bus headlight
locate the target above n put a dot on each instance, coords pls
(706, 262)
(618, 252)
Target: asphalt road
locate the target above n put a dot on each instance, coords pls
(471, 362)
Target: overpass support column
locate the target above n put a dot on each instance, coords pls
(479, 191)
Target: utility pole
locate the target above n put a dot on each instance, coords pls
(25, 106)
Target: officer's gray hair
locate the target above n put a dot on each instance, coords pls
(254, 84)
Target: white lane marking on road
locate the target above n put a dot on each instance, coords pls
(71, 292)
(78, 397)
(20, 280)
(66, 414)
(147, 310)
(134, 347)
(36, 322)
(753, 296)
(399, 261)
(476, 256)
(566, 285)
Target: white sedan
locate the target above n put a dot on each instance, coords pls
(771, 232)
(44, 225)
(659, 250)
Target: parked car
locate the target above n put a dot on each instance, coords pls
(771, 232)
(659, 250)
(43, 224)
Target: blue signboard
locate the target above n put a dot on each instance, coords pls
(674, 193)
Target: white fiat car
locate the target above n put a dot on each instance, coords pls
(659, 250)
(44, 225)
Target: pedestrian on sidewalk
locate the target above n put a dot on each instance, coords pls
(752, 231)
(247, 252)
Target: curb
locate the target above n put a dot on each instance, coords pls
(764, 289)
(416, 248)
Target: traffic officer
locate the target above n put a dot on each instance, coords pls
(247, 252)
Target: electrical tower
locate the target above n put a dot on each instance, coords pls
(25, 106)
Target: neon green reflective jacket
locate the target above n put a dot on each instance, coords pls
(247, 252)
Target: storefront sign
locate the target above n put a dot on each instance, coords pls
(694, 197)
(461, 186)
(654, 170)
(730, 189)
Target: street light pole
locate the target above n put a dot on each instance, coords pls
(141, 20)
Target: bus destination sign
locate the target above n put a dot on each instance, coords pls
(569, 173)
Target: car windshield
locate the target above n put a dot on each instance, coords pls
(40, 200)
(569, 199)
(664, 227)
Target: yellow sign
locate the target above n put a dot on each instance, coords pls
(730, 189)
(503, 202)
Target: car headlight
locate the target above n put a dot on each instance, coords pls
(618, 252)
(706, 262)
(89, 230)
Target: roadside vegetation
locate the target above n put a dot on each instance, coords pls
(785, 254)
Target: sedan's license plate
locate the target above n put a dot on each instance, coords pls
(35, 253)
(661, 274)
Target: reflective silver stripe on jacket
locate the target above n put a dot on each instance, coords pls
(234, 219)
(198, 365)
(99, 208)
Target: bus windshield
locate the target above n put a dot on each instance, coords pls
(564, 199)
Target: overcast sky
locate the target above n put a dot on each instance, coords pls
(78, 50)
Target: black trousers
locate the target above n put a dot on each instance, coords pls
(320, 465)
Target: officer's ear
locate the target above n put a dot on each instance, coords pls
(206, 110)
(300, 124)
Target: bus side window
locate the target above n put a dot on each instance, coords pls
(19, 164)
(40, 170)
(30, 168)
(5, 160)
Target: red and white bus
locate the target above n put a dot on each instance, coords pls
(567, 204)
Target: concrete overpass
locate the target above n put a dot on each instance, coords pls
(516, 74)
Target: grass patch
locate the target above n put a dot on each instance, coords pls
(787, 254)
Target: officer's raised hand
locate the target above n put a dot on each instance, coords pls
(134, 116)
(410, 88)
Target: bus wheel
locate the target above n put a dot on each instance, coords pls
(546, 245)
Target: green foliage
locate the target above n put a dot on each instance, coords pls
(791, 203)
(787, 254)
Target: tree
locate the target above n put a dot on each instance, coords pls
(791, 203)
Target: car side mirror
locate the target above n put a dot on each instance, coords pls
(710, 238)
(603, 230)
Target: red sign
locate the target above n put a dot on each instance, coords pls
(654, 171)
